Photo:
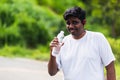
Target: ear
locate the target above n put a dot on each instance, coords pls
(84, 21)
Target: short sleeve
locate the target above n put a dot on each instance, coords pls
(105, 52)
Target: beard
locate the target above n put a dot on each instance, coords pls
(75, 31)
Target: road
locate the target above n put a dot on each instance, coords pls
(25, 69)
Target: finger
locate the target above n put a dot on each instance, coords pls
(54, 43)
(55, 39)
(61, 44)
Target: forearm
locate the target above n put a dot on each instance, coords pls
(111, 75)
(52, 66)
(111, 72)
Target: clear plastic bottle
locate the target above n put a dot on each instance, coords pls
(60, 37)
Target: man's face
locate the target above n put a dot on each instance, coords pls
(74, 26)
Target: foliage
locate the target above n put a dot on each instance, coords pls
(115, 44)
(40, 53)
(117, 68)
(57, 6)
(105, 12)
(95, 27)
(26, 24)
(38, 18)
(30, 23)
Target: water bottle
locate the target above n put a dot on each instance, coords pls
(60, 37)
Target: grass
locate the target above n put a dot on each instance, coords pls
(41, 53)
(117, 67)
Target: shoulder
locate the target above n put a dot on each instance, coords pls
(97, 37)
(95, 34)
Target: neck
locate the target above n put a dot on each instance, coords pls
(81, 35)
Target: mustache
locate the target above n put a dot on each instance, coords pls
(72, 28)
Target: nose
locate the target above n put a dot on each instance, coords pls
(70, 25)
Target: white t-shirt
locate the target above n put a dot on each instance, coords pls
(85, 58)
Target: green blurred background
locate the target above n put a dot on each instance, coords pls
(27, 26)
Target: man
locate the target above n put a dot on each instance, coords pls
(83, 54)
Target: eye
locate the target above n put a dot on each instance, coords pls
(75, 22)
(72, 22)
(68, 23)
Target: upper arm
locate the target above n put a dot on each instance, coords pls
(110, 66)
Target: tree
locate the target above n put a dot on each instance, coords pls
(111, 13)
(105, 12)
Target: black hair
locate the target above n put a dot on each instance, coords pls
(75, 12)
